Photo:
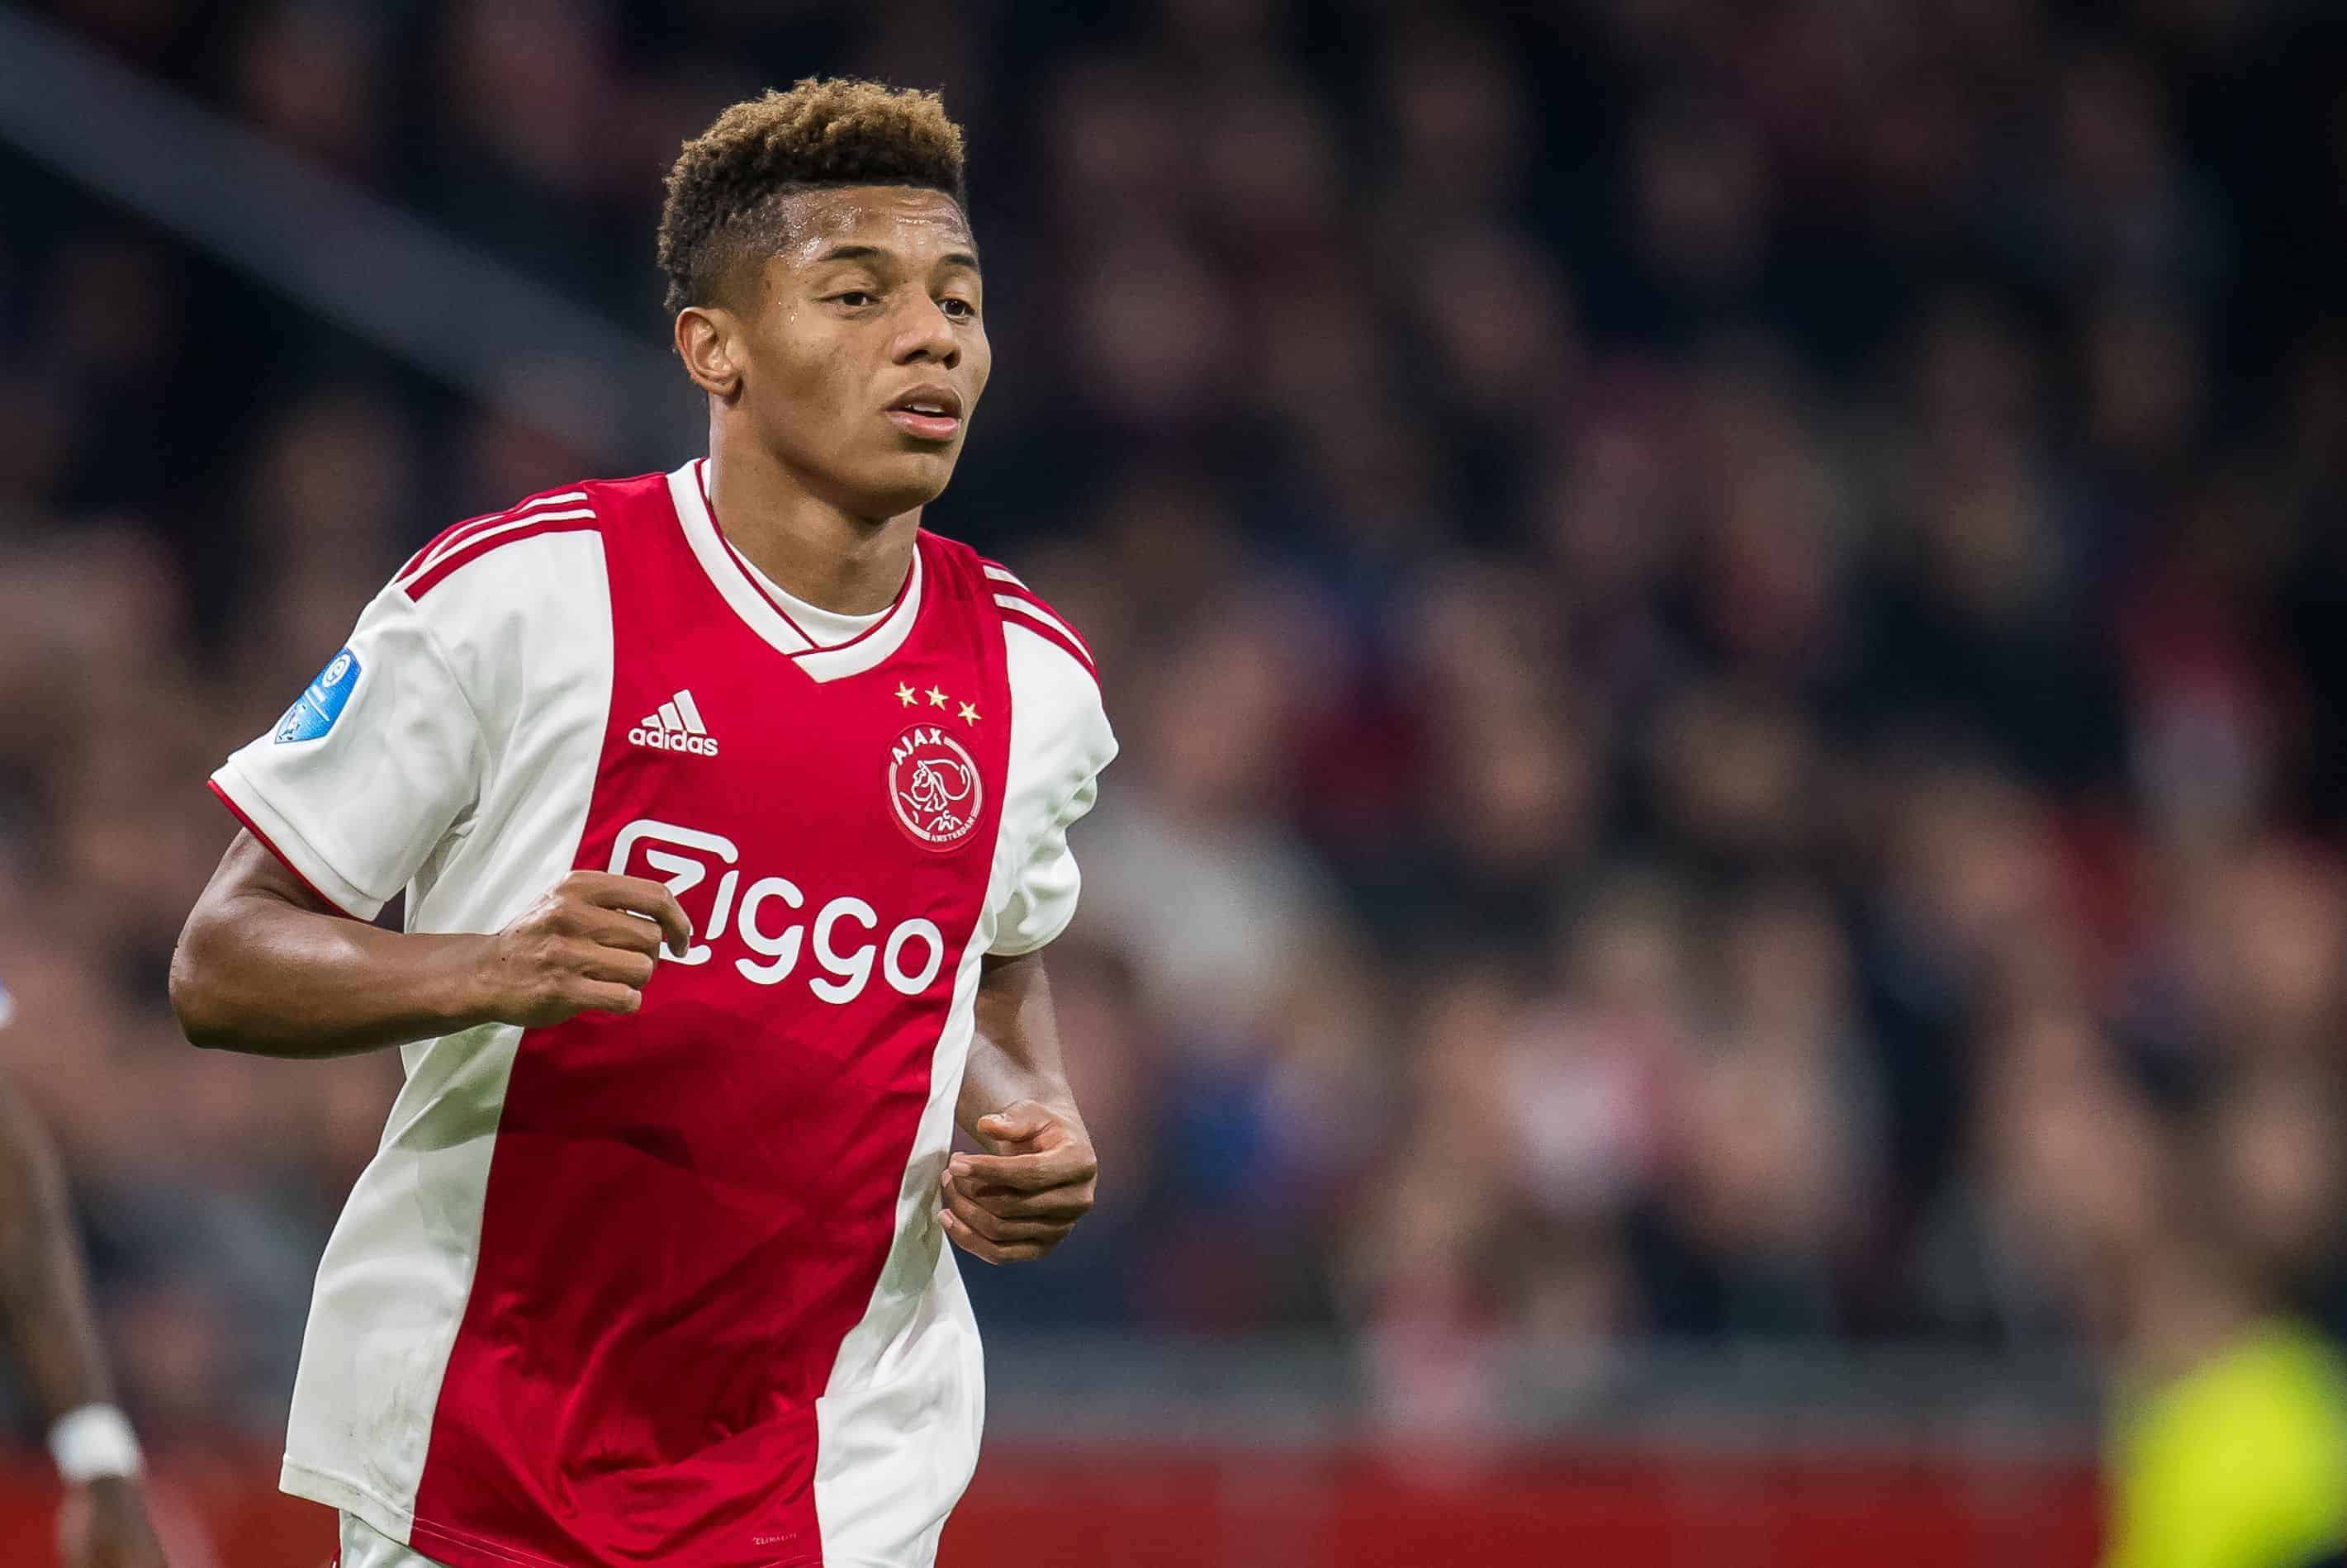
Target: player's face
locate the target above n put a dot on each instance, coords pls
(866, 349)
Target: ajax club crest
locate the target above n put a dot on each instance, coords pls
(934, 787)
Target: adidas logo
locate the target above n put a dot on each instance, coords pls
(676, 727)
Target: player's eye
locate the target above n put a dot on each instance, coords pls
(854, 299)
(957, 309)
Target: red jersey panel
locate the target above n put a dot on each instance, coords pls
(690, 1205)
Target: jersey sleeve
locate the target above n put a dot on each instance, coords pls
(369, 769)
(1060, 740)
(1043, 899)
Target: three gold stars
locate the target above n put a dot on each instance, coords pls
(966, 712)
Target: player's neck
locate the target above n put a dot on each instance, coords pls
(807, 546)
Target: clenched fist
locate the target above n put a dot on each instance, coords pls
(1022, 1198)
(588, 945)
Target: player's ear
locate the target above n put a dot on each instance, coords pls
(706, 340)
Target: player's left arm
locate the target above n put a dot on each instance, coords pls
(1036, 1179)
(45, 1308)
(1020, 1198)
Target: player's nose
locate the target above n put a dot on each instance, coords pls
(927, 337)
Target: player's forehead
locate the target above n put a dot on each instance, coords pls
(905, 222)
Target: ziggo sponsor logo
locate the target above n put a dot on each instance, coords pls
(908, 959)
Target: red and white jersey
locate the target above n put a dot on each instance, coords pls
(668, 1288)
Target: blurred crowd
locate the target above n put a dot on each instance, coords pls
(1725, 620)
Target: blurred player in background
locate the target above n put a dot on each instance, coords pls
(45, 1308)
(2188, 1215)
(650, 1266)
(2230, 1447)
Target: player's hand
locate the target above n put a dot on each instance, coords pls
(588, 945)
(104, 1525)
(1020, 1199)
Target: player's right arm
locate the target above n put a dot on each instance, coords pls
(266, 966)
(379, 762)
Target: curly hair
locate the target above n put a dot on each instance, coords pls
(834, 131)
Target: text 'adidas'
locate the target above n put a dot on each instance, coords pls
(676, 727)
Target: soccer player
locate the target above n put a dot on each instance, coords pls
(730, 807)
(46, 1310)
(2229, 1435)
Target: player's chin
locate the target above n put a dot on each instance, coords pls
(909, 479)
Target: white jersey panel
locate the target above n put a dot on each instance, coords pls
(897, 1424)
(899, 1421)
(537, 659)
(364, 1546)
(527, 635)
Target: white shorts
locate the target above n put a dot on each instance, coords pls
(365, 1546)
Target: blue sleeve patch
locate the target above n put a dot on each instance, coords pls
(316, 710)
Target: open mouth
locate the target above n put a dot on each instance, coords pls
(929, 412)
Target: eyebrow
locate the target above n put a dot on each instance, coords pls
(874, 253)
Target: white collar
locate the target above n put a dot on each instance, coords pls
(824, 627)
(734, 583)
